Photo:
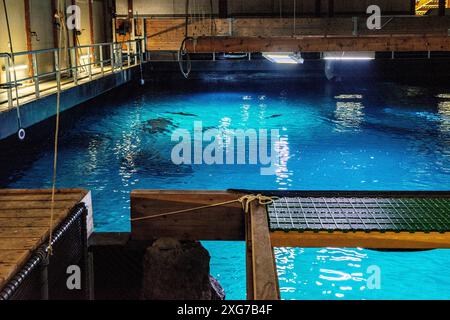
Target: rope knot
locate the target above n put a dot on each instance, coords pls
(262, 200)
(50, 250)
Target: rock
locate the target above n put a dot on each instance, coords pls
(167, 244)
(176, 270)
(159, 125)
(217, 292)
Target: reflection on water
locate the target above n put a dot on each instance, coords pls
(330, 139)
(336, 274)
(349, 116)
(245, 111)
(306, 272)
(444, 113)
(284, 176)
(349, 97)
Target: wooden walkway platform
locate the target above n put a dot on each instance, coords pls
(409, 220)
(25, 224)
(379, 220)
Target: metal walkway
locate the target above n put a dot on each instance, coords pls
(412, 212)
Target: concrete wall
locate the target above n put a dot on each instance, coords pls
(258, 7)
(41, 22)
(44, 30)
(16, 11)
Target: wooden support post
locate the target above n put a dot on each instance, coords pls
(318, 8)
(330, 8)
(74, 32)
(91, 27)
(55, 31)
(28, 36)
(412, 7)
(130, 9)
(249, 258)
(223, 9)
(442, 7)
(262, 279)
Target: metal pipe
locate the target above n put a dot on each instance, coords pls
(102, 66)
(8, 81)
(36, 76)
(11, 48)
(74, 58)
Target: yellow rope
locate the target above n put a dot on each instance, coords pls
(55, 157)
(245, 202)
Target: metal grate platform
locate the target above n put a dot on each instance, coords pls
(368, 214)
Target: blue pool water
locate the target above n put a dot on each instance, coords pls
(334, 136)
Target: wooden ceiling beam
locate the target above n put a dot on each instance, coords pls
(319, 44)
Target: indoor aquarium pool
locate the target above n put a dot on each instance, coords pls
(334, 136)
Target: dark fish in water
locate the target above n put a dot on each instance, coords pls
(209, 128)
(183, 114)
(150, 163)
(159, 125)
(274, 116)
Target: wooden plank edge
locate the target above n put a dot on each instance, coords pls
(265, 277)
(371, 240)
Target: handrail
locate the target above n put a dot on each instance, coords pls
(83, 62)
(21, 53)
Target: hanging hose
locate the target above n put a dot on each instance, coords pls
(141, 54)
(141, 57)
(56, 141)
(21, 131)
(183, 55)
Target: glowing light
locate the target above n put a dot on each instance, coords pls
(341, 56)
(284, 57)
(349, 116)
(349, 97)
(17, 67)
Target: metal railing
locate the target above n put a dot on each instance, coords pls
(74, 64)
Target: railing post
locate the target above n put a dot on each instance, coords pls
(74, 58)
(121, 56)
(36, 76)
(111, 48)
(57, 69)
(8, 81)
(129, 53)
(143, 50)
(90, 56)
(102, 66)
